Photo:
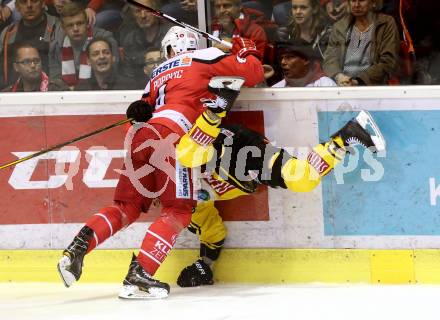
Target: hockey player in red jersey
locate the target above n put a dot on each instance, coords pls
(176, 92)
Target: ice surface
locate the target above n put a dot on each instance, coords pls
(20, 301)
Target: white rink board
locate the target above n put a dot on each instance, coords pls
(290, 115)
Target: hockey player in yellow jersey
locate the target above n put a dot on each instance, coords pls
(213, 150)
(207, 145)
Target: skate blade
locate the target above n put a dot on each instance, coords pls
(364, 118)
(133, 293)
(67, 277)
(233, 83)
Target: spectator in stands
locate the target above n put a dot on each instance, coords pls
(282, 13)
(308, 25)
(301, 67)
(68, 56)
(54, 7)
(57, 5)
(183, 10)
(232, 20)
(109, 15)
(153, 58)
(425, 39)
(104, 69)
(335, 9)
(264, 6)
(363, 48)
(27, 64)
(35, 27)
(105, 14)
(7, 10)
(146, 33)
(434, 67)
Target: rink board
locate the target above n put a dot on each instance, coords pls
(243, 266)
(398, 202)
(398, 211)
(67, 185)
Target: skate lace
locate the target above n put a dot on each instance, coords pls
(145, 274)
(355, 141)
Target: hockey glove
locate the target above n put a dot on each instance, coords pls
(197, 274)
(226, 90)
(140, 111)
(242, 47)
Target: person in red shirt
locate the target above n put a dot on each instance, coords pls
(27, 64)
(174, 98)
(232, 20)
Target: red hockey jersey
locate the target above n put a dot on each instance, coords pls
(178, 84)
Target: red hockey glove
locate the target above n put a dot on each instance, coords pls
(242, 47)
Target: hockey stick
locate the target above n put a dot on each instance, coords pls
(39, 153)
(268, 70)
(180, 23)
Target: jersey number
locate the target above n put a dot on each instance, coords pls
(160, 101)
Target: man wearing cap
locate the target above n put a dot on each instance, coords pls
(301, 67)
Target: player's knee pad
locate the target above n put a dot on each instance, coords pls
(130, 212)
(179, 213)
(207, 223)
(202, 212)
(298, 176)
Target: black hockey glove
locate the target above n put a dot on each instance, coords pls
(197, 274)
(140, 111)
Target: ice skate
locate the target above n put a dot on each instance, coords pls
(362, 130)
(70, 265)
(197, 274)
(138, 284)
(226, 90)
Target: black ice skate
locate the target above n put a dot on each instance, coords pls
(70, 265)
(356, 132)
(226, 90)
(138, 284)
(197, 274)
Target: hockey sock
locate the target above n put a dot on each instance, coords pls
(208, 261)
(211, 251)
(110, 220)
(325, 157)
(160, 239)
(305, 175)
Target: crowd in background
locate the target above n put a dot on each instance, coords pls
(109, 44)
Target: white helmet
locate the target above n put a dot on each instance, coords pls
(180, 40)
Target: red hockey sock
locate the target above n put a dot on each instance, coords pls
(161, 237)
(110, 220)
